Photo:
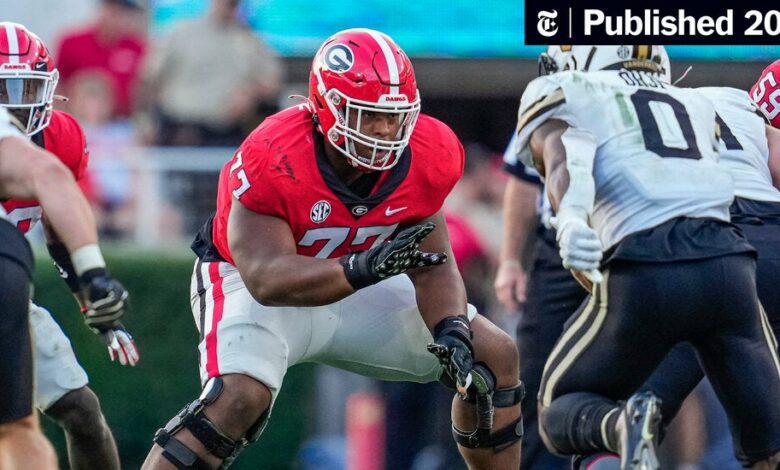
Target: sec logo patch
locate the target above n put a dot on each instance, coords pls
(319, 212)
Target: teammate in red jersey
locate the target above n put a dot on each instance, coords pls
(319, 213)
(27, 83)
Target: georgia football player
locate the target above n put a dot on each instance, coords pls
(328, 246)
(28, 80)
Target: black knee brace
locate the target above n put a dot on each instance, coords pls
(214, 440)
(486, 397)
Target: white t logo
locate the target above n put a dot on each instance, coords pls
(547, 26)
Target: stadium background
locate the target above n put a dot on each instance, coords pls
(471, 68)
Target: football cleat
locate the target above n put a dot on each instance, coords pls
(637, 429)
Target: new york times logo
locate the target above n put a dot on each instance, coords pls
(666, 22)
(547, 26)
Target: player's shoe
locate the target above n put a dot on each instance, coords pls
(637, 430)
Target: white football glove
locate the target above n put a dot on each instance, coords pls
(579, 246)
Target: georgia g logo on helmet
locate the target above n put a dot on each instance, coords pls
(339, 58)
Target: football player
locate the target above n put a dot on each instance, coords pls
(548, 296)
(28, 80)
(630, 165)
(329, 246)
(28, 172)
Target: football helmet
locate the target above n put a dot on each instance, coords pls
(360, 71)
(27, 77)
(653, 59)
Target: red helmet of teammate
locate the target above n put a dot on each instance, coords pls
(27, 77)
(766, 93)
(359, 71)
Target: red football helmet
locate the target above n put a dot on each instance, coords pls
(766, 93)
(357, 71)
(27, 77)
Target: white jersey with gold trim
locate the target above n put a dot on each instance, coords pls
(743, 144)
(656, 156)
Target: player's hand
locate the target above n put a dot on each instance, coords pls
(579, 246)
(121, 346)
(391, 258)
(104, 300)
(452, 347)
(510, 284)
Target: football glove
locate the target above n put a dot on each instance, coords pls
(452, 347)
(121, 346)
(579, 246)
(103, 307)
(390, 258)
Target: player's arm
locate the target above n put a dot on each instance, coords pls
(28, 172)
(441, 299)
(565, 156)
(773, 140)
(520, 217)
(263, 248)
(439, 289)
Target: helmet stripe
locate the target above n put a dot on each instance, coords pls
(392, 66)
(13, 43)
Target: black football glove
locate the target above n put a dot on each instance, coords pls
(105, 299)
(452, 347)
(391, 258)
(104, 305)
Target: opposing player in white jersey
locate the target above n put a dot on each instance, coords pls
(29, 172)
(642, 211)
(744, 152)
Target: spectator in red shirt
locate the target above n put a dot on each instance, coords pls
(114, 45)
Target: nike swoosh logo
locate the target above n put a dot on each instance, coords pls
(389, 212)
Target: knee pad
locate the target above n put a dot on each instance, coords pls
(213, 439)
(486, 397)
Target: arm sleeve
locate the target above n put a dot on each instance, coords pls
(61, 258)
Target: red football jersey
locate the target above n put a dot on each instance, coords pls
(65, 138)
(766, 93)
(281, 170)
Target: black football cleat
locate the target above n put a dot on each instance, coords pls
(637, 430)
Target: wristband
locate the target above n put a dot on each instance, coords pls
(357, 271)
(87, 257)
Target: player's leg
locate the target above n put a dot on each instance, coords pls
(244, 355)
(22, 445)
(381, 335)
(674, 379)
(499, 448)
(89, 439)
(553, 295)
(608, 349)
(739, 355)
(61, 393)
